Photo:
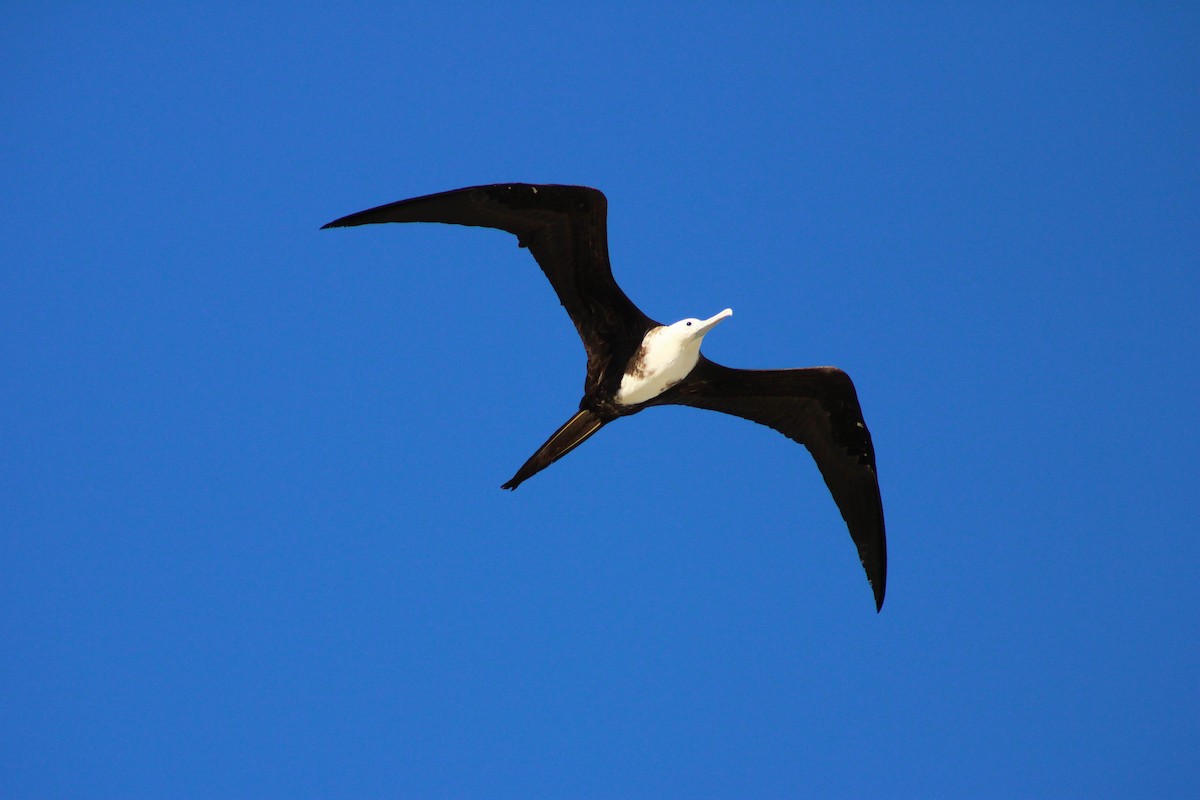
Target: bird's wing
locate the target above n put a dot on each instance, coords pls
(565, 229)
(818, 408)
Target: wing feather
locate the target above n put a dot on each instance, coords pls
(817, 407)
(565, 228)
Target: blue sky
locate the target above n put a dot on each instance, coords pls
(253, 541)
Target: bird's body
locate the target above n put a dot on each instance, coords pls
(667, 355)
(634, 362)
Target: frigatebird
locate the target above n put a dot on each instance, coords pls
(634, 363)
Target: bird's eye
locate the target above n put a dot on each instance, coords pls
(689, 324)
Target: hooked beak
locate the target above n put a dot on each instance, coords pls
(708, 324)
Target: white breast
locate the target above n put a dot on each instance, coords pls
(663, 361)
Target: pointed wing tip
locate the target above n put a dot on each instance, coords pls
(371, 215)
(874, 564)
(878, 583)
(876, 569)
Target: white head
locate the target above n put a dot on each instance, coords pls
(690, 330)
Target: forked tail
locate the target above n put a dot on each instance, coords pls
(572, 434)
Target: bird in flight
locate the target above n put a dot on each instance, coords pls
(634, 363)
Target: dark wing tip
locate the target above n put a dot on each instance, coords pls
(347, 221)
(466, 206)
(872, 552)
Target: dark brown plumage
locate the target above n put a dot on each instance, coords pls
(564, 228)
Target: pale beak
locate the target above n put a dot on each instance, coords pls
(708, 324)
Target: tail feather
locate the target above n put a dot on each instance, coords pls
(573, 433)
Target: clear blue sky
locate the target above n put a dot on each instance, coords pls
(253, 542)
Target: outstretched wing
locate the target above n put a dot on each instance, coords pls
(818, 408)
(565, 229)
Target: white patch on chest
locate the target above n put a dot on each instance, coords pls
(662, 361)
